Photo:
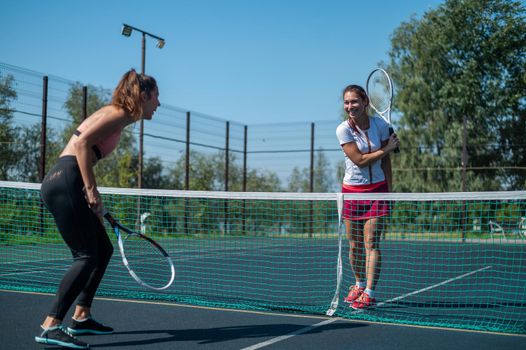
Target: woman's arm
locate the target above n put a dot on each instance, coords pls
(353, 153)
(388, 173)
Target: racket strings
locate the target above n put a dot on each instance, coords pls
(147, 262)
(379, 91)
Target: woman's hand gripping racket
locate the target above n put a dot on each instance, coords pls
(379, 88)
(146, 261)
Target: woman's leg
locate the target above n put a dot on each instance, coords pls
(104, 253)
(63, 196)
(356, 249)
(372, 233)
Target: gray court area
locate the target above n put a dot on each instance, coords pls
(143, 325)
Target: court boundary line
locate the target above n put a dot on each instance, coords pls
(324, 323)
(280, 314)
(327, 319)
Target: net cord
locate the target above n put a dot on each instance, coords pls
(427, 196)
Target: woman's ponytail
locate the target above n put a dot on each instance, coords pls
(127, 94)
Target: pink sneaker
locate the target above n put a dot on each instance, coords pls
(363, 302)
(354, 293)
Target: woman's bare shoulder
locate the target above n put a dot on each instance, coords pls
(112, 113)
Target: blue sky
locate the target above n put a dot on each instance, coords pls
(248, 61)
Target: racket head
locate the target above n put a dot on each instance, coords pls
(145, 259)
(379, 88)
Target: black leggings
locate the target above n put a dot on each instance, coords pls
(81, 229)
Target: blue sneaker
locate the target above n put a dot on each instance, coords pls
(59, 335)
(88, 326)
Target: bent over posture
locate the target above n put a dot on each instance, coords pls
(69, 191)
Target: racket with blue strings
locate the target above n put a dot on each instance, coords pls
(147, 262)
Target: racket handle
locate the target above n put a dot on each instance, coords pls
(108, 217)
(391, 131)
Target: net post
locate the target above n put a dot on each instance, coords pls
(339, 265)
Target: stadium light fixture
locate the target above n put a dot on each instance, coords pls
(126, 30)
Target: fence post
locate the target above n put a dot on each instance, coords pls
(43, 139)
(43, 132)
(245, 159)
(227, 146)
(243, 220)
(464, 175)
(311, 180)
(84, 102)
(187, 172)
(187, 154)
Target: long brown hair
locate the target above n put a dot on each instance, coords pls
(127, 94)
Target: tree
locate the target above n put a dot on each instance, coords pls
(154, 175)
(207, 173)
(8, 158)
(299, 180)
(19, 145)
(27, 150)
(467, 59)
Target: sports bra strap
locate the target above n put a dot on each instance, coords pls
(95, 148)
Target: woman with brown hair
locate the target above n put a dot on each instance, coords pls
(69, 191)
(366, 144)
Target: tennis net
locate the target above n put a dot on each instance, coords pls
(448, 259)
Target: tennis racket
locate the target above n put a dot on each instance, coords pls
(379, 88)
(147, 262)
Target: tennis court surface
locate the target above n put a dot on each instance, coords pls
(142, 325)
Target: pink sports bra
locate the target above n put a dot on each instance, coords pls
(102, 149)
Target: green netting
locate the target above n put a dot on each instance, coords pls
(450, 260)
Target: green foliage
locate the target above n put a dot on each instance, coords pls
(299, 180)
(207, 173)
(465, 59)
(97, 98)
(8, 157)
(154, 175)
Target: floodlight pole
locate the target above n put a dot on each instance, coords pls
(141, 124)
(126, 31)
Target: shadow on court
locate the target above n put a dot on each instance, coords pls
(219, 334)
(153, 326)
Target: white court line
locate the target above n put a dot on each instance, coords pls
(33, 270)
(17, 262)
(433, 286)
(290, 335)
(21, 273)
(329, 321)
